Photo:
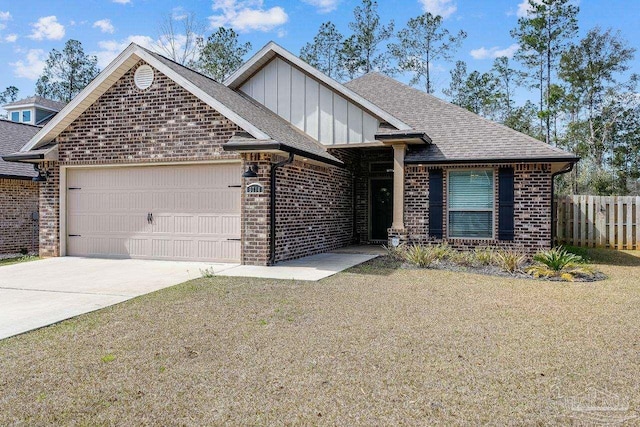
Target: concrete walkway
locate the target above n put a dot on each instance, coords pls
(39, 293)
(314, 267)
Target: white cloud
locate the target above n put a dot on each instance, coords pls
(122, 1)
(5, 16)
(105, 26)
(32, 65)
(494, 52)
(47, 28)
(324, 6)
(524, 8)
(11, 38)
(444, 8)
(109, 49)
(247, 15)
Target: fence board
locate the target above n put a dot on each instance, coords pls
(598, 221)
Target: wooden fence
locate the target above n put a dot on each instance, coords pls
(599, 221)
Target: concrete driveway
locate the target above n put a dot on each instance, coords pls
(39, 293)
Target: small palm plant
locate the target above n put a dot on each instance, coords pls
(510, 261)
(560, 263)
(421, 256)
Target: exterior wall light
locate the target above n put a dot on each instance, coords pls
(251, 172)
(42, 175)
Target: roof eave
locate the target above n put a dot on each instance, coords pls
(567, 159)
(407, 137)
(277, 146)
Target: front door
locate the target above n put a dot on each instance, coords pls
(381, 207)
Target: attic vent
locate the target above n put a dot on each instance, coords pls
(143, 77)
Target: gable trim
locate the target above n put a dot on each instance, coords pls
(271, 50)
(110, 75)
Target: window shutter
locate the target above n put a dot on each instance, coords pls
(505, 204)
(436, 213)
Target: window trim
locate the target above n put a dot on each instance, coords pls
(492, 210)
(19, 116)
(22, 116)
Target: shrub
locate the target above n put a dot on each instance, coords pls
(396, 252)
(560, 263)
(442, 251)
(421, 256)
(510, 261)
(465, 259)
(484, 256)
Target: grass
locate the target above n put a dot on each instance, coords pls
(375, 345)
(18, 260)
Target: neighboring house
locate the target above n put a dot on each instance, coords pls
(34, 110)
(18, 193)
(153, 160)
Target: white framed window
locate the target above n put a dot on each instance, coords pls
(15, 116)
(470, 203)
(26, 116)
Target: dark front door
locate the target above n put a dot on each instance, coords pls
(381, 207)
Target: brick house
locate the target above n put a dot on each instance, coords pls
(154, 160)
(18, 193)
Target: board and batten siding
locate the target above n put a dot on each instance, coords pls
(309, 105)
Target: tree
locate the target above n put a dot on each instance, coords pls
(324, 53)
(361, 50)
(221, 54)
(523, 119)
(477, 92)
(457, 87)
(543, 35)
(508, 79)
(10, 94)
(67, 72)
(423, 42)
(179, 36)
(591, 69)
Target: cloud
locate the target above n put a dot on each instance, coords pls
(32, 65)
(47, 28)
(5, 16)
(324, 6)
(105, 26)
(494, 52)
(444, 8)
(524, 8)
(122, 1)
(109, 49)
(11, 38)
(247, 15)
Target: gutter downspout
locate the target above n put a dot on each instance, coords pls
(553, 198)
(272, 207)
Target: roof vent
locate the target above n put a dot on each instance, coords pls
(143, 77)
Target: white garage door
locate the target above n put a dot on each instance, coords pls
(187, 212)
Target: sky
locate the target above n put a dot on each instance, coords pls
(106, 27)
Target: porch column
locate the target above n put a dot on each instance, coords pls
(398, 186)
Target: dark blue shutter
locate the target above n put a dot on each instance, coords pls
(436, 212)
(505, 204)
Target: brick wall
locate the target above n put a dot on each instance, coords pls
(313, 207)
(50, 211)
(532, 207)
(126, 125)
(18, 201)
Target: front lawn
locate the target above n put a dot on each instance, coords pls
(376, 345)
(18, 260)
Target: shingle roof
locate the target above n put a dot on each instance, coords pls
(12, 137)
(456, 133)
(261, 117)
(48, 104)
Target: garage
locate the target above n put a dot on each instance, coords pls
(186, 212)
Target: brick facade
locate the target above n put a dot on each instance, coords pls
(532, 207)
(314, 210)
(18, 202)
(50, 211)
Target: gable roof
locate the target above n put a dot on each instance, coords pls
(271, 50)
(14, 135)
(38, 101)
(457, 134)
(258, 121)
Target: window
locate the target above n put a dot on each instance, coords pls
(470, 203)
(15, 116)
(26, 116)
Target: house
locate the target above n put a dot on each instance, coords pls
(34, 110)
(154, 160)
(18, 193)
